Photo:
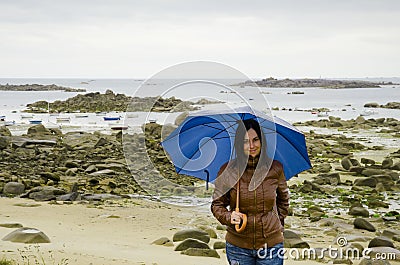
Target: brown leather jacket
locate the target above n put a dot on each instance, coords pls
(266, 207)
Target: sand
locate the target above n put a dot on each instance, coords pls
(118, 232)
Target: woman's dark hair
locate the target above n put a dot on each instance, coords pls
(243, 127)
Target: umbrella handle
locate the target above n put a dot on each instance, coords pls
(239, 228)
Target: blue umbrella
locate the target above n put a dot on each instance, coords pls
(204, 141)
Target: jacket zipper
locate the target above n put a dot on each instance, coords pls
(254, 219)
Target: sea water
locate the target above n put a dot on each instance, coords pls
(343, 103)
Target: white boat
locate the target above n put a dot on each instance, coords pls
(322, 114)
(26, 116)
(63, 119)
(81, 115)
(368, 112)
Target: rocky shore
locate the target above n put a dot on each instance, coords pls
(37, 87)
(306, 82)
(109, 101)
(352, 193)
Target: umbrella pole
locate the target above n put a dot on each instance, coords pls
(239, 228)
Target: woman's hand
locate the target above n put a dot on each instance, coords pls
(236, 217)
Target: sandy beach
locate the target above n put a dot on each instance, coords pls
(118, 232)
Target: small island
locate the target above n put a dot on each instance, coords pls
(306, 82)
(109, 101)
(37, 87)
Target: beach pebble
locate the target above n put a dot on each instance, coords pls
(191, 233)
(361, 223)
(27, 235)
(201, 252)
(191, 243)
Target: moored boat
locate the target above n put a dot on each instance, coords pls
(35, 121)
(117, 118)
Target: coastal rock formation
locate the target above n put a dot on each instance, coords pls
(37, 87)
(109, 101)
(306, 82)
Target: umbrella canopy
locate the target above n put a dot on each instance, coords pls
(205, 141)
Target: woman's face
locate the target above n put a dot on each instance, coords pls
(252, 144)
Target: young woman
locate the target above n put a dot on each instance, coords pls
(263, 197)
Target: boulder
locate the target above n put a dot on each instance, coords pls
(387, 163)
(390, 232)
(369, 182)
(295, 243)
(191, 233)
(191, 243)
(367, 161)
(4, 142)
(359, 211)
(27, 235)
(361, 223)
(4, 131)
(14, 188)
(381, 241)
(341, 151)
(346, 163)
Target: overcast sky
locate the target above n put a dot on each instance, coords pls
(137, 39)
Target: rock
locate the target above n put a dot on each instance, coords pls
(191, 233)
(390, 232)
(371, 172)
(201, 252)
(381, 241)
(341, 151)
(387, 163)
(369, 261)
(27, 235)
(45, 193)
(371, 105)
(289, 234)
(361, 223)
(219, 245)
(4, 131)
(369, 182)
(11, 225)
(14, 188)
(357, 169)
(367, 161)
(346, 163)
(295, 243)
(396, 166)
(191, 243)
(38, 129)
(4, 142)
(342, 261)
(163, 241)
(359, 211)
(328, 178)
(385, 253)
